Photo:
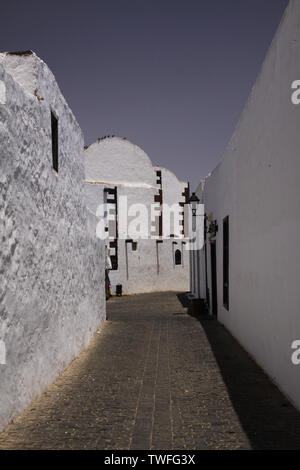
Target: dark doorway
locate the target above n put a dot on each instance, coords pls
(177, 257)
(205, 254)
(214, 292)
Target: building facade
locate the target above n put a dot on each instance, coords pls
(52, 264)
(121, 180)
(249, 268)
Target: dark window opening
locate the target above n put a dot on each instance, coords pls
(177, 257)
(226, 262)
(54, 135)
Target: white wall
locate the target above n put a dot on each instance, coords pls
(52, 265)
(257, 185)
(115, 162)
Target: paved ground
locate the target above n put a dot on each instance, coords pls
(155, 377)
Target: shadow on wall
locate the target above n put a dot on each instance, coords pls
(267, 417)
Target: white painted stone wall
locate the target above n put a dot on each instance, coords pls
(257, 185)
(117, 162)
(52, 265)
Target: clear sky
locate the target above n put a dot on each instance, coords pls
(170, 75)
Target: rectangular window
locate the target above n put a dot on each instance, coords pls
(54, 136)
(226, 262)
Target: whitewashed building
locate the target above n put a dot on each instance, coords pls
(249, 270)
(118, 170)
(52, 265)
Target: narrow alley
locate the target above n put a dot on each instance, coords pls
(155, 377)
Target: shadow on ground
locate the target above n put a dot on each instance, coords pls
(267, 417)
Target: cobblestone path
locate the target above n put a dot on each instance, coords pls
(155, 377)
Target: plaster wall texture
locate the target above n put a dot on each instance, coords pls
(257, 185)
(52, 265)
(115, 162)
